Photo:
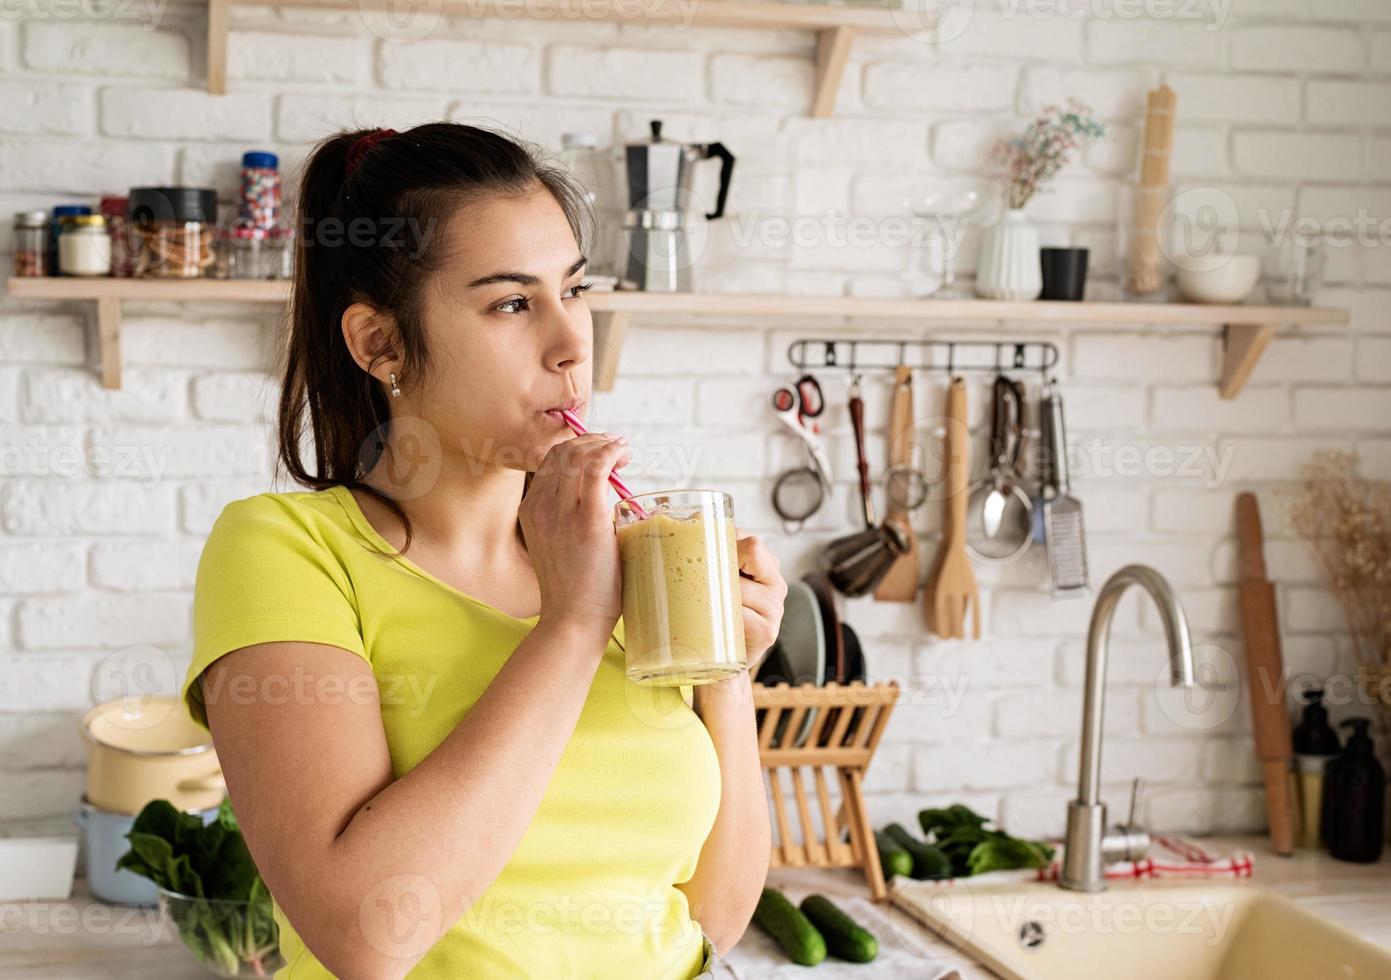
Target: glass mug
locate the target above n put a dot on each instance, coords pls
(683, 617)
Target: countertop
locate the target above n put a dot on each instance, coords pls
(85, 939)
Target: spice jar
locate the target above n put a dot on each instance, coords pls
(31, 243)
(55, 227)
(260, 191)
(253, 253)
(173, 231)
(84, 246)
(115, 207)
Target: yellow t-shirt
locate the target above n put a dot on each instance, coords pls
(589, 891)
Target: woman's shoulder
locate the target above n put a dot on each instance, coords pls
(291, 508)
(308, 518)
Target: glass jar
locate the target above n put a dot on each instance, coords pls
(594, 169)
(173, 232)
(254, 253)
(682, 615)
(55, 227)
(259, 206)
(31, 243)
(84, 246)
(114, 208)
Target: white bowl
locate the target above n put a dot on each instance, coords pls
(1228, 281)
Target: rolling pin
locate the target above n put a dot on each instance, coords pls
(1265, 674)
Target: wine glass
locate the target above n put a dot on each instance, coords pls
(941, 215)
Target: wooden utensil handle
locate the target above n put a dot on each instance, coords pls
(958, 438)
(901, 418)
(857, 419)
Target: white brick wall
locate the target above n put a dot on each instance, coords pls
(1284, 104)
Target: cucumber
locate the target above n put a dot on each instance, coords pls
(892, 858)
(844, 936)
(929, 861)
(793, 931)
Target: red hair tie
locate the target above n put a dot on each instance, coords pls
(364, 143)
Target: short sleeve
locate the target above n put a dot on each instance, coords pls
(266, 574)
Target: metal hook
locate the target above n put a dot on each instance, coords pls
(951, 358)
(998, 347)
(830, 353)
(902, 352)
(1018, 355)
(853, 345)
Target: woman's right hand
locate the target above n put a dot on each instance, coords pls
(567, 519)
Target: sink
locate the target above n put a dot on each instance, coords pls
(1161, 930)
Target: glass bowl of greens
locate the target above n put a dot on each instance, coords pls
(208, 887)
(229, 937)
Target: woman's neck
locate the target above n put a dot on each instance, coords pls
(456, 504)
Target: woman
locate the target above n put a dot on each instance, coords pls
(413, 674)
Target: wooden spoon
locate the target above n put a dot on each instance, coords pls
(951, 589)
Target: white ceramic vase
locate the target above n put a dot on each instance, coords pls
(1009, 267)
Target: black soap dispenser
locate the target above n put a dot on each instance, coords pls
(1315, 746)
(1358, 790)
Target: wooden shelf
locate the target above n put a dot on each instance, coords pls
(1247, 329)
(835, 26)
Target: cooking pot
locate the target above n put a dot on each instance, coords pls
(148, 748)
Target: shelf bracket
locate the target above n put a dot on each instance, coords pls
(608, 345)
(109, 340)
(1243, 344)
(218, 26)
(832, 53)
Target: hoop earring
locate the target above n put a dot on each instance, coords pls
(395, 388)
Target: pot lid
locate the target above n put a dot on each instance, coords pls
(151, 724)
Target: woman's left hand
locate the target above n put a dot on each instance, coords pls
(762, 589)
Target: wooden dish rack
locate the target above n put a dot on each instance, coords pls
(849, 722)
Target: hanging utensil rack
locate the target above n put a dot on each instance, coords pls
(949, 356)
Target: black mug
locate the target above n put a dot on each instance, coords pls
(1064, 273)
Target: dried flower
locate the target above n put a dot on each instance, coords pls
(1347, 522)
(1029, 160)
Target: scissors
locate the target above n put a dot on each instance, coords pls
(799, 492)
(798, 406)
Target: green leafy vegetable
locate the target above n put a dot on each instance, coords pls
(973, 849)
(226, 918)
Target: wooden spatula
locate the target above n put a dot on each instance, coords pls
(1265, 674)
(901, 582)
(951, 591)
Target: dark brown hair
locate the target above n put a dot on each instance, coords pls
(370, 230)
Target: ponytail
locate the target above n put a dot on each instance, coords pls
(370, 203)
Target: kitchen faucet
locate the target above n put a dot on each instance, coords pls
(1089, 845)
